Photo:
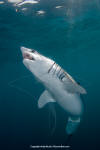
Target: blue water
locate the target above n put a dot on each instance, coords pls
(73, 41)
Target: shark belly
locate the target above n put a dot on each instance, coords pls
(70, 102)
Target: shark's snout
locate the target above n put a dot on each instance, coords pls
(30, 54)
(23, 49)
(27, 53)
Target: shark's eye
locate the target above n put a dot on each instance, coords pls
(33, 51)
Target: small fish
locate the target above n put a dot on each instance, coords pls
(58, 7)
(27, 2)
(40, 12)
(60, 87)
(15, 1)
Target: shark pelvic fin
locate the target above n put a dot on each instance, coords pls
(44, 99)
(72, 125)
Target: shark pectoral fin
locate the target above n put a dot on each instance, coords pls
(72, 125)
(44, 99)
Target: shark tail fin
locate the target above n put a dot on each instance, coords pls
(72, 125)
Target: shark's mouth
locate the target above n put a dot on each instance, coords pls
(28, 56)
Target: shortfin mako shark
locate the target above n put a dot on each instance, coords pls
(60, 87)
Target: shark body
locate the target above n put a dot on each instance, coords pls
(60, 86)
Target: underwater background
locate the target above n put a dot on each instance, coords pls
(71, 36)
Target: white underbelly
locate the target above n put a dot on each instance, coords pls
(72, 103)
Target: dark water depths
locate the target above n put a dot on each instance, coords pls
(73, 41)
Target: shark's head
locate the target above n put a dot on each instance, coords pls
(36, 63)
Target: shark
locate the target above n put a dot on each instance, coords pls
(60, 87)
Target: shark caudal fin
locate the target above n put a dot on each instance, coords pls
(72, 125)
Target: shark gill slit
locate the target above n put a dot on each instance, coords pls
(62, 75)
(51, 68)
(55, 69)
(59, 71)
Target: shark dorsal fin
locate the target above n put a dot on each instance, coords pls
(71, 85)
(44, 99)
